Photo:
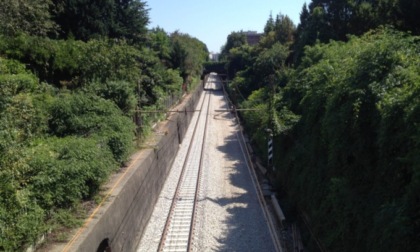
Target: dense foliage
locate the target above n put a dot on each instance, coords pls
(85, 20)
(351, 161)
(29, 16)
(73, 76)
(323, 20)
(188, 55)
(342, 97)
(235, 39)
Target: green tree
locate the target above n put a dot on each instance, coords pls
(270, 62)
(326, 19)
(234, 40)
(402, 14)
(27, 16)
(269, 25)
(188, 55)
(284, 29)
(87, 19)
(160, 42)
(239, 59)
(131, 19)
(178, 58)
(312, 28)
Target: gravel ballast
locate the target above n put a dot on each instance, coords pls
(229, 216)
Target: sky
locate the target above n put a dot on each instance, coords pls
(211, 21)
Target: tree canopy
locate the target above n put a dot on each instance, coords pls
(188, 55)
(29, 16)
(325, 20)
(85, 20)
(235, 39)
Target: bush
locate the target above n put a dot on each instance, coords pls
(14, 79)
(21, 219)
(120, 92)
(65, 171)
(41, 179)
(87, 115)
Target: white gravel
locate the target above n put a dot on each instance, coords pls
(151, 237)
(229, 216)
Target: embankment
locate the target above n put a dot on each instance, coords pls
(121, 219)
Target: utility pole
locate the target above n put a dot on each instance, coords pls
(269, 148)
(138, 114)
(270, 125)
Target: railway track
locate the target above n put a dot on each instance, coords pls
(179, 232)
(179, 227)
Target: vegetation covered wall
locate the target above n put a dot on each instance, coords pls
(342, 97)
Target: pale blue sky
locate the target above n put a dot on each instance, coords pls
(211, 21)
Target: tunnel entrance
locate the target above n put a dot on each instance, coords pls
(104, 246)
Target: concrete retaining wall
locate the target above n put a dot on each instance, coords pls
(122, 220)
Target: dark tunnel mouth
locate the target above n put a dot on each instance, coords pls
(104, 246)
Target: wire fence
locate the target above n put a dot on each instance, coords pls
(145, 119)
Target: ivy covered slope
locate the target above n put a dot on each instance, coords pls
(346, 126)
(55, 150)
(351, 162)
(68, 98)
(342, 98)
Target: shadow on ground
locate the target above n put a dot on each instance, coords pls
(247, 229)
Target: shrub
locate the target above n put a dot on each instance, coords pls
(120, 92)
(66, 170)
(87, 115)
(21, 219)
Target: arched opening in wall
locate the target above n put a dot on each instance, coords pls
(104, 246)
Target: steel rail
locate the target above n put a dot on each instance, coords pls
(177, 200)
(165, 111)
(199, 176)
(233, 110)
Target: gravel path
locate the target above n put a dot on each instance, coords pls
(229, 216)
